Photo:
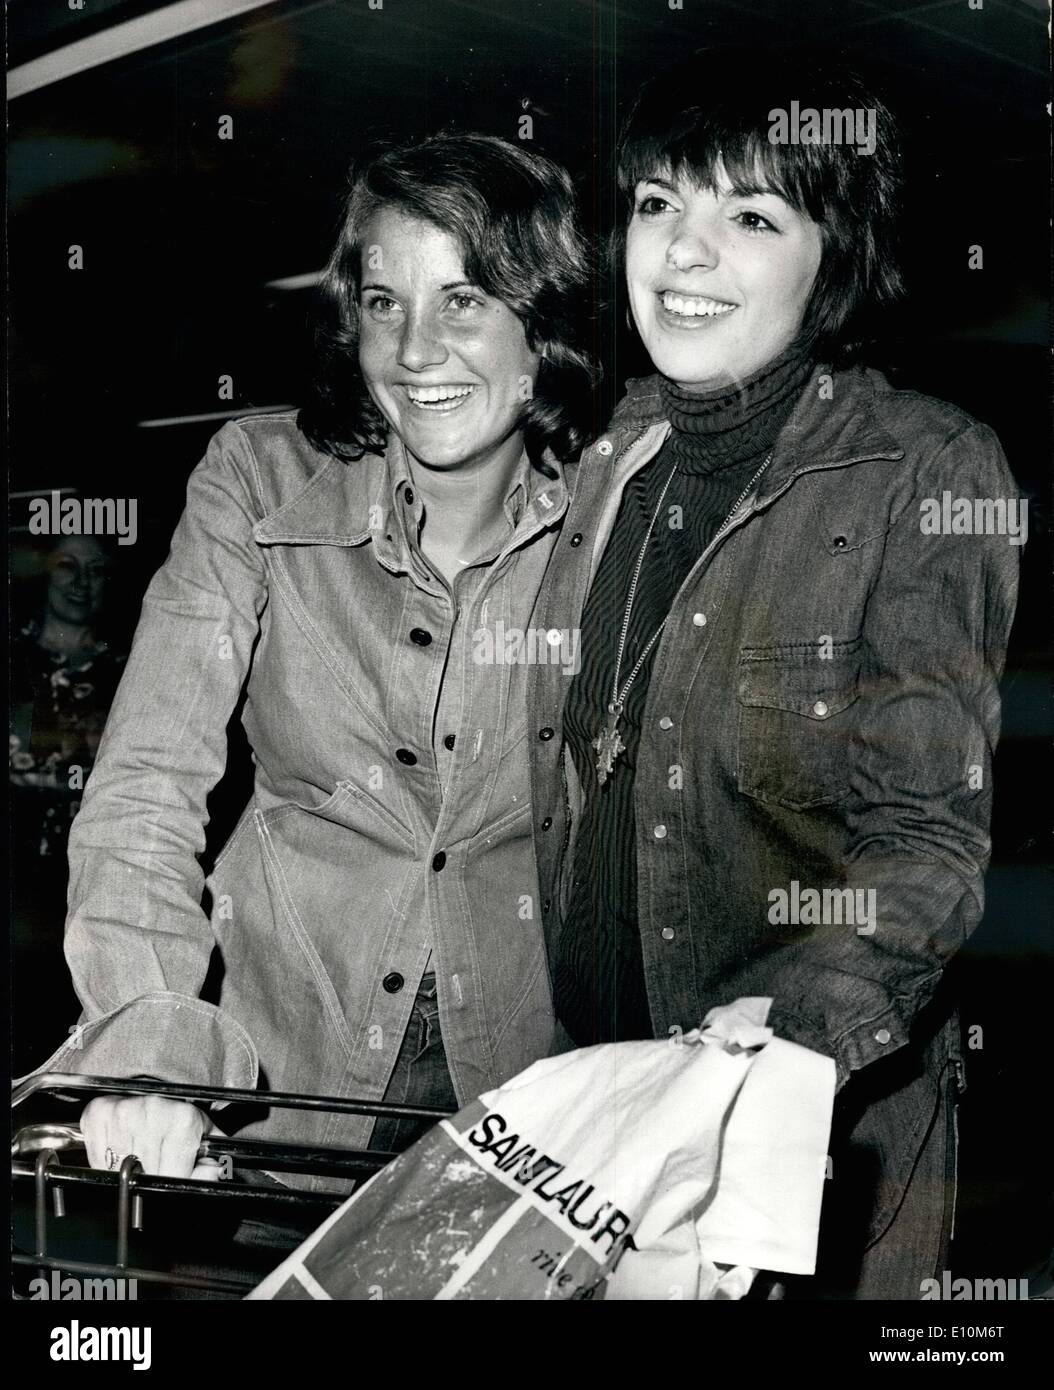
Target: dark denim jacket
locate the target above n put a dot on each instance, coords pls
(823, 710)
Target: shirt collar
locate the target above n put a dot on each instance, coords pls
(348, 503)
(520, 490)
(534, 498)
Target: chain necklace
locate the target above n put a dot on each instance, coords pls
(608, 742)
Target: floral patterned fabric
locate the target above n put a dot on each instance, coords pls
(59, 704)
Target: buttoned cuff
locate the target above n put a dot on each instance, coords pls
(786, 1024)
(857, 1047)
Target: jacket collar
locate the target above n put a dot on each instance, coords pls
(348, 503)
(834, 422)
(334, 508)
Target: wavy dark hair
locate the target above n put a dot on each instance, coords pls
(720, 104)
(513, 214)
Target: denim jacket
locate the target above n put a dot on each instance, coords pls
(290, 584)
(822, 712)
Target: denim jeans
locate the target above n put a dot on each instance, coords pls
(420, 1076)
(916, 1244)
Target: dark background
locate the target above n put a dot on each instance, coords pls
(182, 233)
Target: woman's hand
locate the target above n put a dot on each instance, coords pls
(163, 1134)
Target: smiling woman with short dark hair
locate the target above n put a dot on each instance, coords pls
(785, 684)
(704, 116)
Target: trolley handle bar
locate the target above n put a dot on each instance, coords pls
(286, 1100)
(54, 1175)
(245, 1153)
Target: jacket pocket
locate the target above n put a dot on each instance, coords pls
(796, 721)
(350, 807)
(283, 903)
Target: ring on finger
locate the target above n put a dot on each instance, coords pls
(113, 1159)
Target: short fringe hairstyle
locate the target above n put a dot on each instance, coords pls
(720, 104)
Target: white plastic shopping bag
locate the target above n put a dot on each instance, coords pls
(629, 1170)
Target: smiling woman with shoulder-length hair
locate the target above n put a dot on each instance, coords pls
(509, 210)
(375, 907)
(788, 691)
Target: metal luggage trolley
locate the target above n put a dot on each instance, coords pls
(41, 1151)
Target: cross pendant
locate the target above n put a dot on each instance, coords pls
(608, 744)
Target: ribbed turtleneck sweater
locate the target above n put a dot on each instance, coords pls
(718, 440)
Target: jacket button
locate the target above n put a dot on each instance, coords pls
(409, 495)
(665, 722)
(883, 1036)
(547, 822)
(820, 709)
(405, 756)
(667, 933)
(392, 983)
(576, 539)
(449, 741)
(438, 861)
(699, 619)
(840, 542)
(547, 905)
(546, 734)
(422, 638)
(604, 447)
(659, 832)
